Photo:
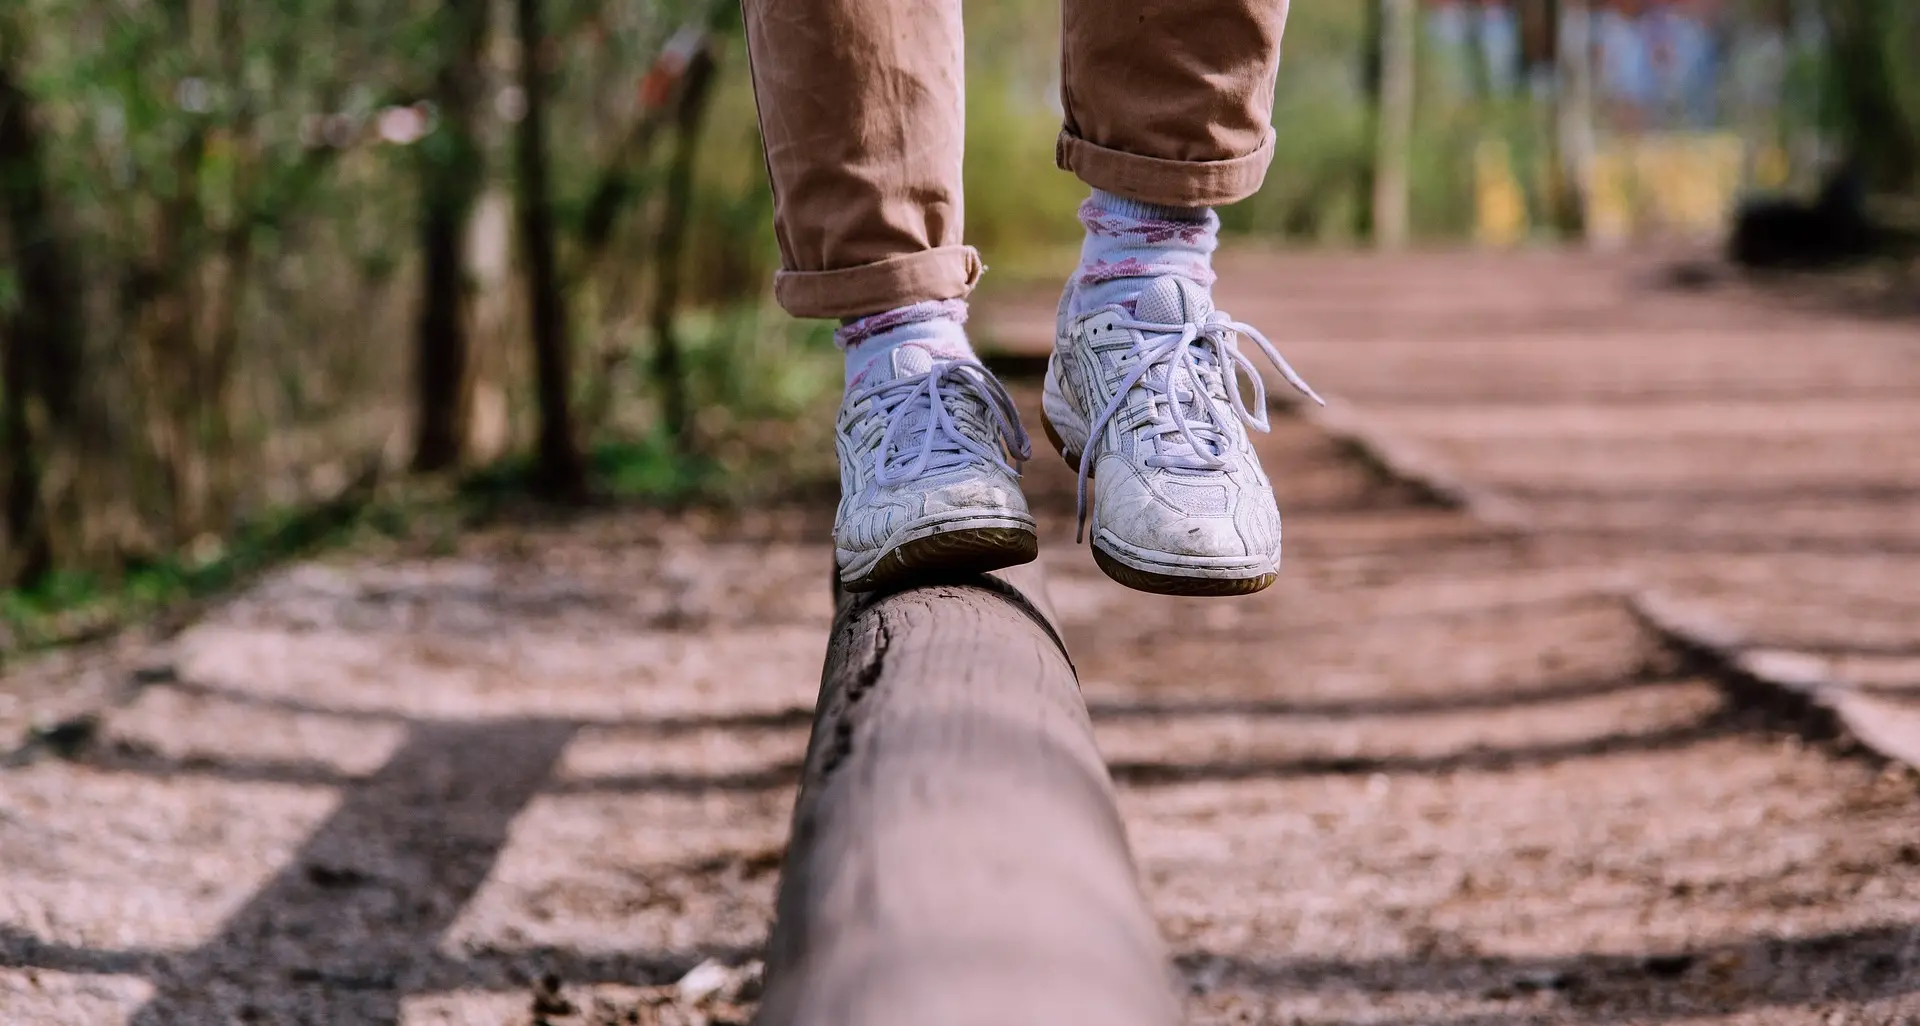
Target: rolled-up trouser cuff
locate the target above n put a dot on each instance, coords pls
(944, 272)
(1174, 183)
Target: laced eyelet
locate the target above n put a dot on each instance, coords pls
(940, 440)
(1207, 353)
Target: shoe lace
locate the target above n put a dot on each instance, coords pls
(1205, 357)
(927, 418)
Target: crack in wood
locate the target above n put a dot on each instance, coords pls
(841, 746)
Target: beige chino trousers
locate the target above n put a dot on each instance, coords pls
(862, 109)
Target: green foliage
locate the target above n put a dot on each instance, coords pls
(1874, 85)
(249, 240)
(70, 604)
(763, 388)
(756, 363)
(648, 469)
(1020, 208)
(731, 254)
(1323, 145)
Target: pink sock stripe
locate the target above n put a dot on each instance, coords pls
(850, 335)
(1098, 220)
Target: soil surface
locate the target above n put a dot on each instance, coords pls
(1440, 774)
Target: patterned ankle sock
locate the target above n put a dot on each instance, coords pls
(1129, 243)
(938, 326)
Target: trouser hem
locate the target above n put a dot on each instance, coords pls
(944, 272)
(1174, 183)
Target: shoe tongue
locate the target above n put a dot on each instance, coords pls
(910, 360)
(1172, 300)
(1175, 300)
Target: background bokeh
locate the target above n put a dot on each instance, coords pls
(270, 272)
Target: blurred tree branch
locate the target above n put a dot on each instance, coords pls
(42, 326)
(1873, 46)
(669, 375)
(452, 173)
(559, 471)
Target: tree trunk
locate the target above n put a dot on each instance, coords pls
(669, 376)
(1877, 95)
(1573, 115)
(450, 184)
(1369, 71)
(218, 360)
(166, 330)
(440, 342)
(29, 553)
(42, 339)
(1394, 121)
(558, 473)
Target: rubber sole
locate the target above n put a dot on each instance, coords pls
(1147, 581)
(969, 550)
(1168, 584)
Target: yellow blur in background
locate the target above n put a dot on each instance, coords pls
(1654, 186)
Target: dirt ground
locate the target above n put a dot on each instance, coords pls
(1440, 774)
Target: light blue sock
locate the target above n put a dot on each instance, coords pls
(938, 326)
(1130, 243)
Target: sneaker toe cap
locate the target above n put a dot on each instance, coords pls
(984, 493)
(1236, 525)
(875, 522)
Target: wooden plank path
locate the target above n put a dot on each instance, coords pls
(1749, 452)
(1446, 771)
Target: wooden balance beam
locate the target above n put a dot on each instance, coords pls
(957, 858)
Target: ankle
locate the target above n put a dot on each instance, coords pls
(938, 326)
(1129, 243)
(1114, 204)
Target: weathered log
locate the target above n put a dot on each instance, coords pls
(957, 858)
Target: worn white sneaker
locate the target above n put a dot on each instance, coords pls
(928, 478)
(1148, 405)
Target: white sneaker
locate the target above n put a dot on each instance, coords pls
(1148, 405)
(928, 478)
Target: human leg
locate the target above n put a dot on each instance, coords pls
(1170, 102)
(1168, 113)
(862, 116)
(862, 119)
